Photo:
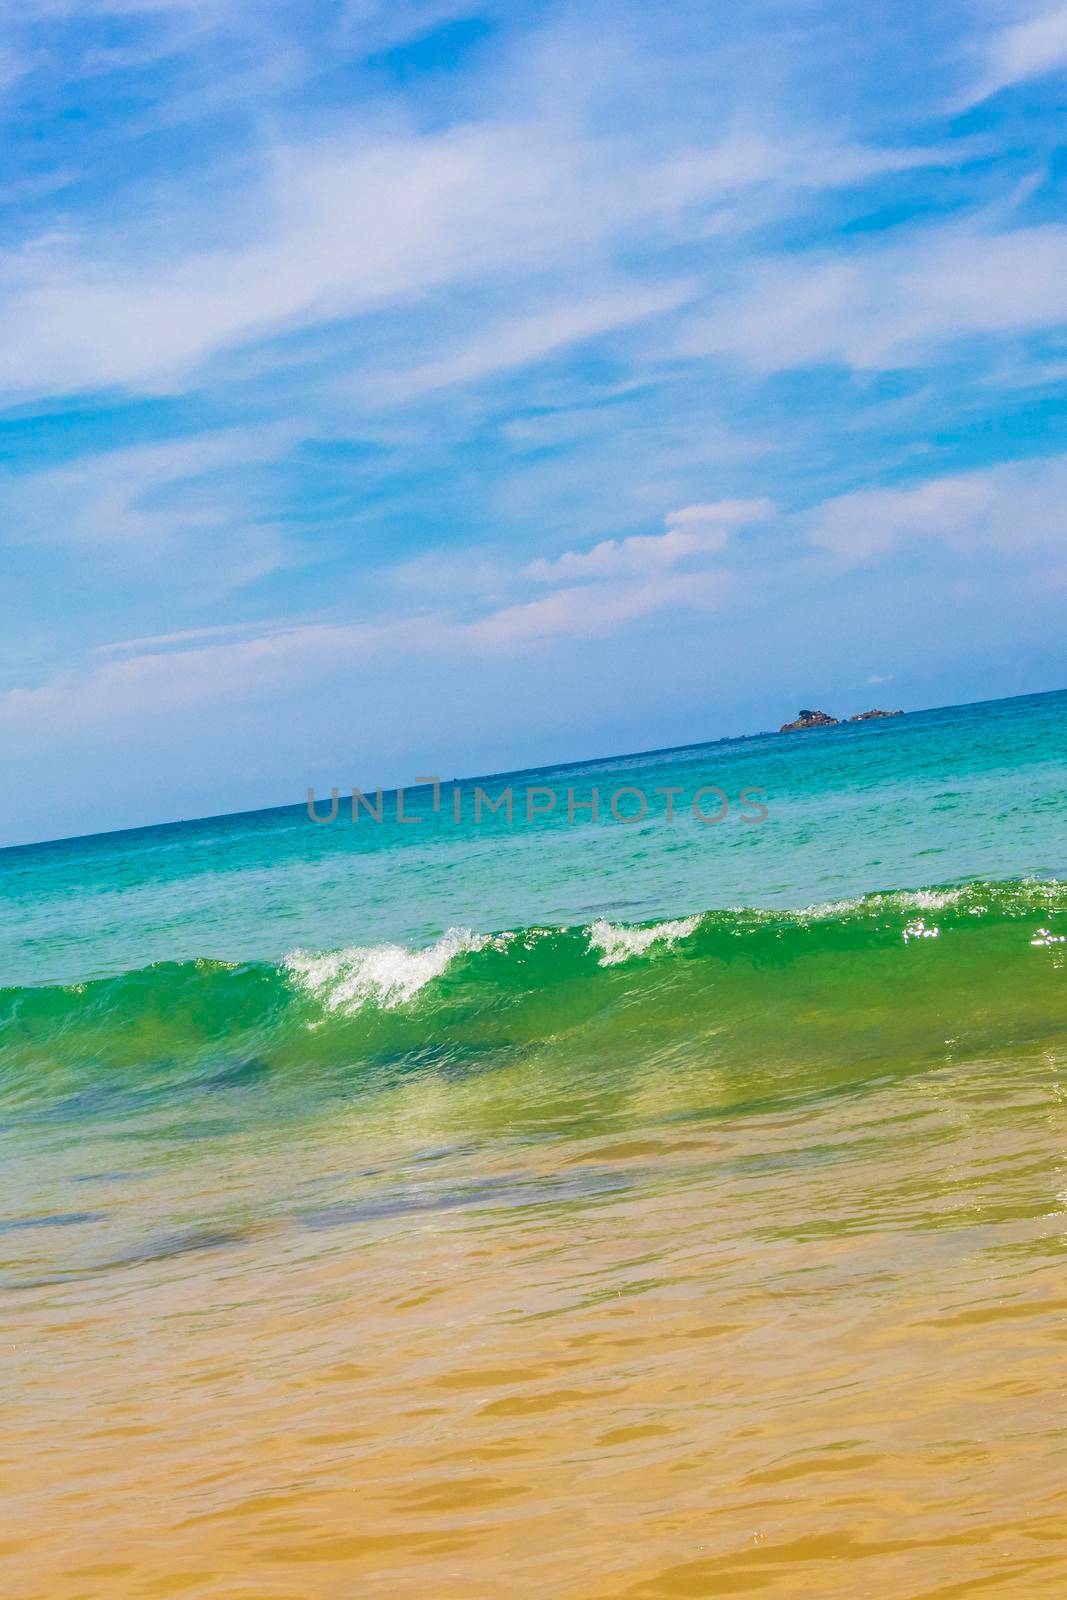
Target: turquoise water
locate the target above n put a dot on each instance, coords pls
(932, 798)
(887, 893)
(387, 1207)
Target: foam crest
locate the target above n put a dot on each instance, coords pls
(894, 900)
(620, 943)
(387, 975)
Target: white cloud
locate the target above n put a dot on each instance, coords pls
(1013, 512)
(537, 334)
(375, 220)
(330, 230)
(1022, 51)
(187, 636)
(589, 610)
(692, 530)
(893, 305)
(200, 666)
(194, 516)
(465, 574)
(113, 497)
(158, 681)
(180, 511)
(1012, 509)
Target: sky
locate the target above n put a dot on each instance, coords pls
(395, 387)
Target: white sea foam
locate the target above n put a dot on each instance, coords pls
(892, 900)
(386, 975)
(932, 899)
(620, 943)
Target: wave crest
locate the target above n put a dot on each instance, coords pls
(620, 943)
(387, 975)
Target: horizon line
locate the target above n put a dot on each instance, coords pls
(513, 772)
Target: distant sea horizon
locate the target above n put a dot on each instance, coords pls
(845, 721)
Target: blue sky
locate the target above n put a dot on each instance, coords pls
(415, 386)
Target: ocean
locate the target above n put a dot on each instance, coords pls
(555, 1205)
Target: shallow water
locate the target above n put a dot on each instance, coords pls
(713, 1256)
(647, 1347)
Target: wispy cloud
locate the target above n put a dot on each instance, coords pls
(1021, 51)
(1016, 509)
(332, 229)
(186, 509)
(154, 681)
(525, 340)
(1009, 513)
(113, 497)
(893, 304)
(229, 662)
(691, 531)
(589, 610)
(158, 642)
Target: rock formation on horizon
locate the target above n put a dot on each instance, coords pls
(866, 716)
(809, 719)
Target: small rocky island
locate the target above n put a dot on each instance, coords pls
(809, 719)
(823, 719)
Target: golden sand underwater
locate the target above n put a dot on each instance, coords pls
(812, 1349)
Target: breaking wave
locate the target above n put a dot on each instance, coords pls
(980, 967)
(387, 975)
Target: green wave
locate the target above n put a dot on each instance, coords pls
(813, 999)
